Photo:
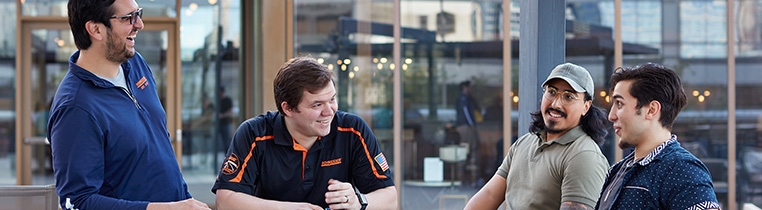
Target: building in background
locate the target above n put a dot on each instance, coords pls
(196, 46)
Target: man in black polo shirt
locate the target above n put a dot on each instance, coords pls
(308, 155)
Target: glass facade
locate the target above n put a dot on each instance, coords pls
(57, 8)
(748, 59)
(7, 93)
(210, 43)
(443, 43)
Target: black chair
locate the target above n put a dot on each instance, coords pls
(718, 168)
(751, 175)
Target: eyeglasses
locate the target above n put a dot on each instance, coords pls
(567, 97)
(131, 16)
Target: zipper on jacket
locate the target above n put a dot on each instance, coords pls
(131, 97)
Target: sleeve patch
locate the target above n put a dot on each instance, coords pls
(231, 164)
(381, 160)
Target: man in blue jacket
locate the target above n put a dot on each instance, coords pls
(107, 128)
(659, 174)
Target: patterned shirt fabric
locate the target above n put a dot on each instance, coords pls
(669, 177)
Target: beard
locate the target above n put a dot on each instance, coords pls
(624, 144)
(550, 125)
(116, 51)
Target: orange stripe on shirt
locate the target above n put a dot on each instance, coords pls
(365, 147)
(246, 160)
(299, 147)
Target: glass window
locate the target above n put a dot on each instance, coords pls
(355, 41)
(443, 44)
(748, 108)
(599, 17)
(8, 93)
(641, 20)
(702, 65)
(453, 60)
(50, 53)
(702, 29)
(211, 72)
(58, 8)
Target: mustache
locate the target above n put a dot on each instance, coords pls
(563, 114)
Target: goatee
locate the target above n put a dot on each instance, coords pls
(624, 145)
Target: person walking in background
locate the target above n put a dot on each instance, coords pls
(558, 164)
(225, 118)
(468, 113)
(307, 155)
(107, 127)
(659, 174)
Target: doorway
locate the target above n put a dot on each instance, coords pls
(45, 46)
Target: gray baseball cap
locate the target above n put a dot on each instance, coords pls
(577, 76)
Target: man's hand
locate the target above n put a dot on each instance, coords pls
(341, 195)
(189, 203)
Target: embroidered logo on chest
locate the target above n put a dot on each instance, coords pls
(142, 83)
(333, 162)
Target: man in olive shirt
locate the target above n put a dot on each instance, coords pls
(558, 164)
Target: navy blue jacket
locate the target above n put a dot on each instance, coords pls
(669, 177)
(111, 149)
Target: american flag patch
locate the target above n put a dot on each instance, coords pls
(381, 160)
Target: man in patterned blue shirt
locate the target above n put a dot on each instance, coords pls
(659, 174)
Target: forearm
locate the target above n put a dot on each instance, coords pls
(571, 205)
(227, 199)
(490, 196)
(384, 198)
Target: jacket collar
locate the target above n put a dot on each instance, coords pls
(86, 75)
(655, 154)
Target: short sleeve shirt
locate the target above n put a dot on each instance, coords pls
(669, 177)
(542, 174)
(265, 162)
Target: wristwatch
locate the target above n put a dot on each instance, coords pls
(363, 201)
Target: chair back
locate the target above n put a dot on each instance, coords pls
(28, 197)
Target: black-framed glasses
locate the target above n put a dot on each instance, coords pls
(131, 16)
(567, 97)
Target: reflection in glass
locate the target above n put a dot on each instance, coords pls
(152, 45)
(748, 60)
(7, 93)
(50, 54)
(702, 29)
(355, 40)
(58, 8)
(452, 42)
(209, 50)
